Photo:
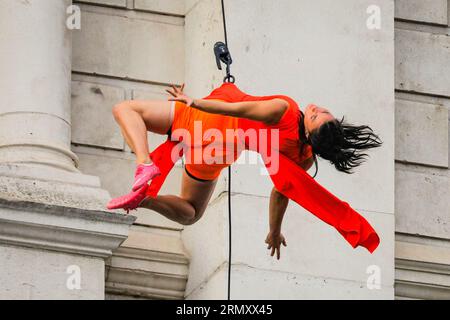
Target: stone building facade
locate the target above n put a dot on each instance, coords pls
(314, 51)
(422, 176)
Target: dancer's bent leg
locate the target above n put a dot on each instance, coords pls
(189, 207)
(136, 117)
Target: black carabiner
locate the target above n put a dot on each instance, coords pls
(223, 55)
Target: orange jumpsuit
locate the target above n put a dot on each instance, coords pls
(289, 178)
(205, 165)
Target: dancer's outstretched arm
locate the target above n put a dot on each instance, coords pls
(277, 208)
(268, 111)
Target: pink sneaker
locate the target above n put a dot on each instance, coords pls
(129, 201)
(144, 174)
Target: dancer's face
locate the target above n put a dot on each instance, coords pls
(314, 117)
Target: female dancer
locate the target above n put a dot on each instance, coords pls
(299, 138)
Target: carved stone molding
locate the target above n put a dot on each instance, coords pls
(62, 229)
(151, 264)
(422, 267)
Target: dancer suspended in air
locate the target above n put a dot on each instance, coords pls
(299, 138)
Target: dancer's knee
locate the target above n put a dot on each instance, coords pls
(119, 109)
(189, 222)
(197, 216)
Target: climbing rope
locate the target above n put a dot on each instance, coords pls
(229, 78)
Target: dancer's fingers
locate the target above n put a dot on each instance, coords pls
(171, 93)
(180, 89)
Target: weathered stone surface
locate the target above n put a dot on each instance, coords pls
(44, 248)
(304, 234)
(428, 213)
(162, 6)
(127, 47)
(261, 284)
(38, 66)
(113, 3)
(35, 86)
(269, 284)
(36, 138)
(151, 263)
(51, 186)
(189, 4)
(204, 27)
(30, 274)
(422, 62)
(94, 216)
(206, 256)
(422, 267)
(421, 133)
(433, 11)
(214, 288)
(299, 227)
(92, 119)
(87, 232)
(159, 95)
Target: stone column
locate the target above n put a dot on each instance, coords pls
(36, 163)
(54, 234)
(35, 59)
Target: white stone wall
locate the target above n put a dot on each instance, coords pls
(319, 52)
(422, 193)
(44, 275)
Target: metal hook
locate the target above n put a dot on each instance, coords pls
(223, 55)
(230, 79)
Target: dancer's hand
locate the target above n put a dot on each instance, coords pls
(178, 95)
(274, 241)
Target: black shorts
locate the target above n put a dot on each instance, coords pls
(169, 134)
(195, 178)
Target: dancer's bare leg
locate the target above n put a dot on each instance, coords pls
(136, 117)
(189, 207)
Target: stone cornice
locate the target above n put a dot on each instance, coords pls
(94, 215)
(422, 267)
(62, 229)
(158, 270)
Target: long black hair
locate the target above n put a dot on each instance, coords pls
(339, 142)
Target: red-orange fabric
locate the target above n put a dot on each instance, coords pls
(290, 179)
(207, 151)
(209, 167)
(289, 142)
